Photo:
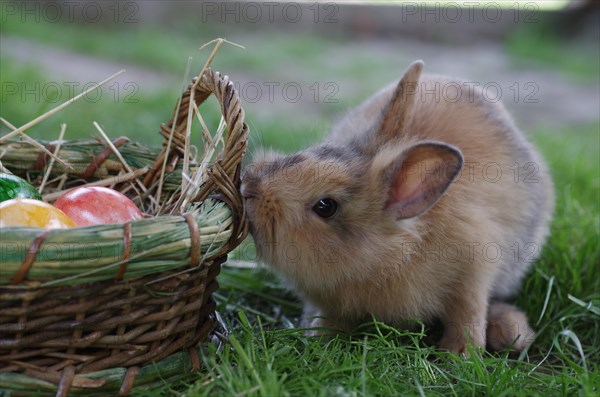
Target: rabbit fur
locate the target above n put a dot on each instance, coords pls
(441, 206)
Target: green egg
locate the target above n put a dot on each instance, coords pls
(14, 187)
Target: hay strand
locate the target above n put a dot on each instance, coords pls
(172, 132)
(50, 197)
(61, 135)
(35, 143)
(57, 109)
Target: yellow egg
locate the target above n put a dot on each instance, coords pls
(33, 213)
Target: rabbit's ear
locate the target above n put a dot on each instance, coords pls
(419, 176)
(396, 115)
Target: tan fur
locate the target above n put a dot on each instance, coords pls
(508, 328)
(369, 260)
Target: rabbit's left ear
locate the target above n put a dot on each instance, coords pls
(419, 176)
(396, 114)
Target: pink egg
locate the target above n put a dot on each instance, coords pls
(97, 205)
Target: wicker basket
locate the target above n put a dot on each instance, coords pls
(136, 318)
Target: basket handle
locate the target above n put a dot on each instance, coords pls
(225, 172)
(211, 82)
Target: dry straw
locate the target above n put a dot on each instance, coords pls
(102, 310)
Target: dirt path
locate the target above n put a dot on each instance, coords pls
(536, 97)
(60, 65)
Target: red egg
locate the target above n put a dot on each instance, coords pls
(97, 205)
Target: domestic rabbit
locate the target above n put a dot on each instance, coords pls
(426, 202)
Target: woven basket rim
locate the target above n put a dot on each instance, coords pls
(224, 176)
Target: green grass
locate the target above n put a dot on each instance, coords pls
(267, 357)
(541, 44)
(124, 42)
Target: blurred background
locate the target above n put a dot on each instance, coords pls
(304, 63)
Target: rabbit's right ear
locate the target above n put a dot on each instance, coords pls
(419, 176)
(396, 115)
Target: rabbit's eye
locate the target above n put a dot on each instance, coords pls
(326, 208)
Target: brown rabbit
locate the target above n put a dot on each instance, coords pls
(419, 205)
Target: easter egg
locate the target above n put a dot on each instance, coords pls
(97, 205)
(33, 213)
(12, 187)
